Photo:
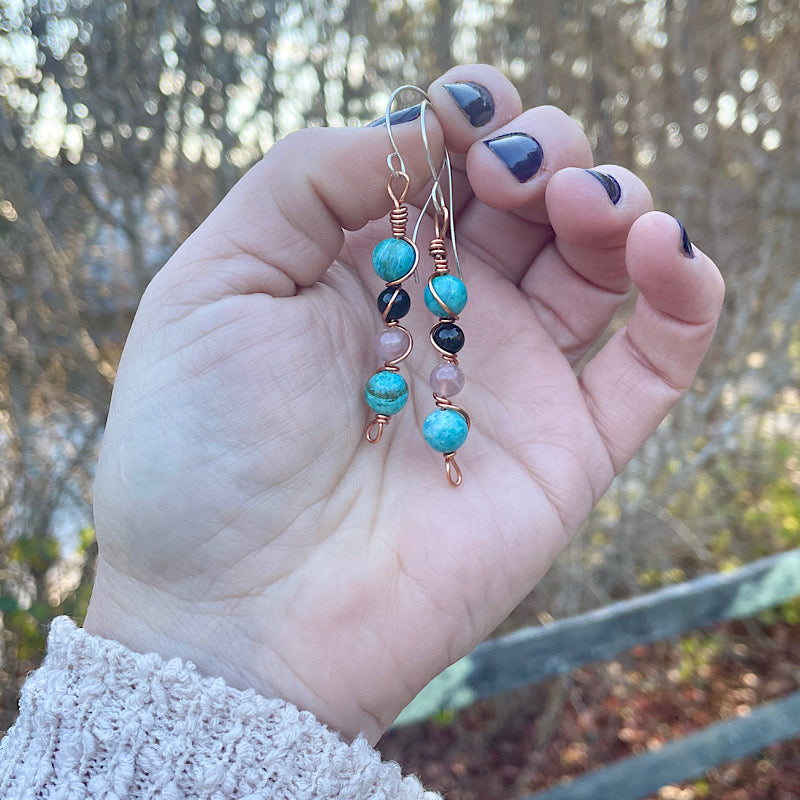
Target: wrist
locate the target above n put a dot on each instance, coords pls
(221, 640)
(146, 619)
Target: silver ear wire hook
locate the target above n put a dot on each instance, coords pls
(390, 159)
(449, 165)
(436, 197)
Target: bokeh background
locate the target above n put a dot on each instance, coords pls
(123, 123)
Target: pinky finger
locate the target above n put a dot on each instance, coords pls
(642, 371)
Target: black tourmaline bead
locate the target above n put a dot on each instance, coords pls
(448, 336)
(401, 306)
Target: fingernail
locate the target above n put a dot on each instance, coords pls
(474, 100)
(521, 153)
(686, 243)
(609, 184)
(401, 115)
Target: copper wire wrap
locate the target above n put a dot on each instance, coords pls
(398, 218)
(438, 253)
(448, 405)
(450, 315)
(451, 357)
(398, 200)
(392, 366)
(375, 428)
(452, 470)
(390, 304)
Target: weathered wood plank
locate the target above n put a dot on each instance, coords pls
(532, 654)
(687, 758)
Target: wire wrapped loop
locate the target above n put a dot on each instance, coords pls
(452, 470)
(398, 200)
(375, 428)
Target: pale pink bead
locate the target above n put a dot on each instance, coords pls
(447, 380)
(391, 344)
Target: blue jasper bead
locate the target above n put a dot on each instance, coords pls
(452, 291)
(393, 259)
(445, 430)
(386, 392)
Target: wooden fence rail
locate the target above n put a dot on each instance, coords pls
(532, 654)
(690, 757)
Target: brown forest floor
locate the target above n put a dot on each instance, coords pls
(502, 750)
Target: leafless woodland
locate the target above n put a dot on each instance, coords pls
(123, 123)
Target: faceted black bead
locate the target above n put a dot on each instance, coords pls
(448, 336)
(401, 306)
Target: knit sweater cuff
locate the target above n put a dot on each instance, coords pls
(98, 720)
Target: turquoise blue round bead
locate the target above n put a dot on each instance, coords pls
(445, 430)
(386, 392)
(452, 291)
(393, 259)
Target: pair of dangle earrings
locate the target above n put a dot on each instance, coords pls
(395, 260)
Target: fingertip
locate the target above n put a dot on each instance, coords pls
(510, 169)
(609, 183)
(674, 274)
(596, 207)
(471, 100)
(349, 167)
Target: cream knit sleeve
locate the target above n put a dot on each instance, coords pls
(100, 721)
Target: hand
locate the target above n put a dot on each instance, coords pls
(243, 521)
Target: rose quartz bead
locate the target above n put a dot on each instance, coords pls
(447, 380)
(391, 344)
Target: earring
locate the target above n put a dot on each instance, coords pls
(394, 261)
(446, 428)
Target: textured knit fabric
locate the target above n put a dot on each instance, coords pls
(98, 720)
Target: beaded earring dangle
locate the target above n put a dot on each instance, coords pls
(394, 261)
(446, 428)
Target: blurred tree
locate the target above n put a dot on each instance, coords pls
(123, 123)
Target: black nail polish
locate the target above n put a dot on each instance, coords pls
(401, 115)
(521, 153)
(474, 100)
(686, 243)
(609, 184)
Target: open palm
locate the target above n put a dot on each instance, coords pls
(244, 522)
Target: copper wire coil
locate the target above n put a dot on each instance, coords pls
(380, 421)
(398, 217)
(452, 316)
(438, 252)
